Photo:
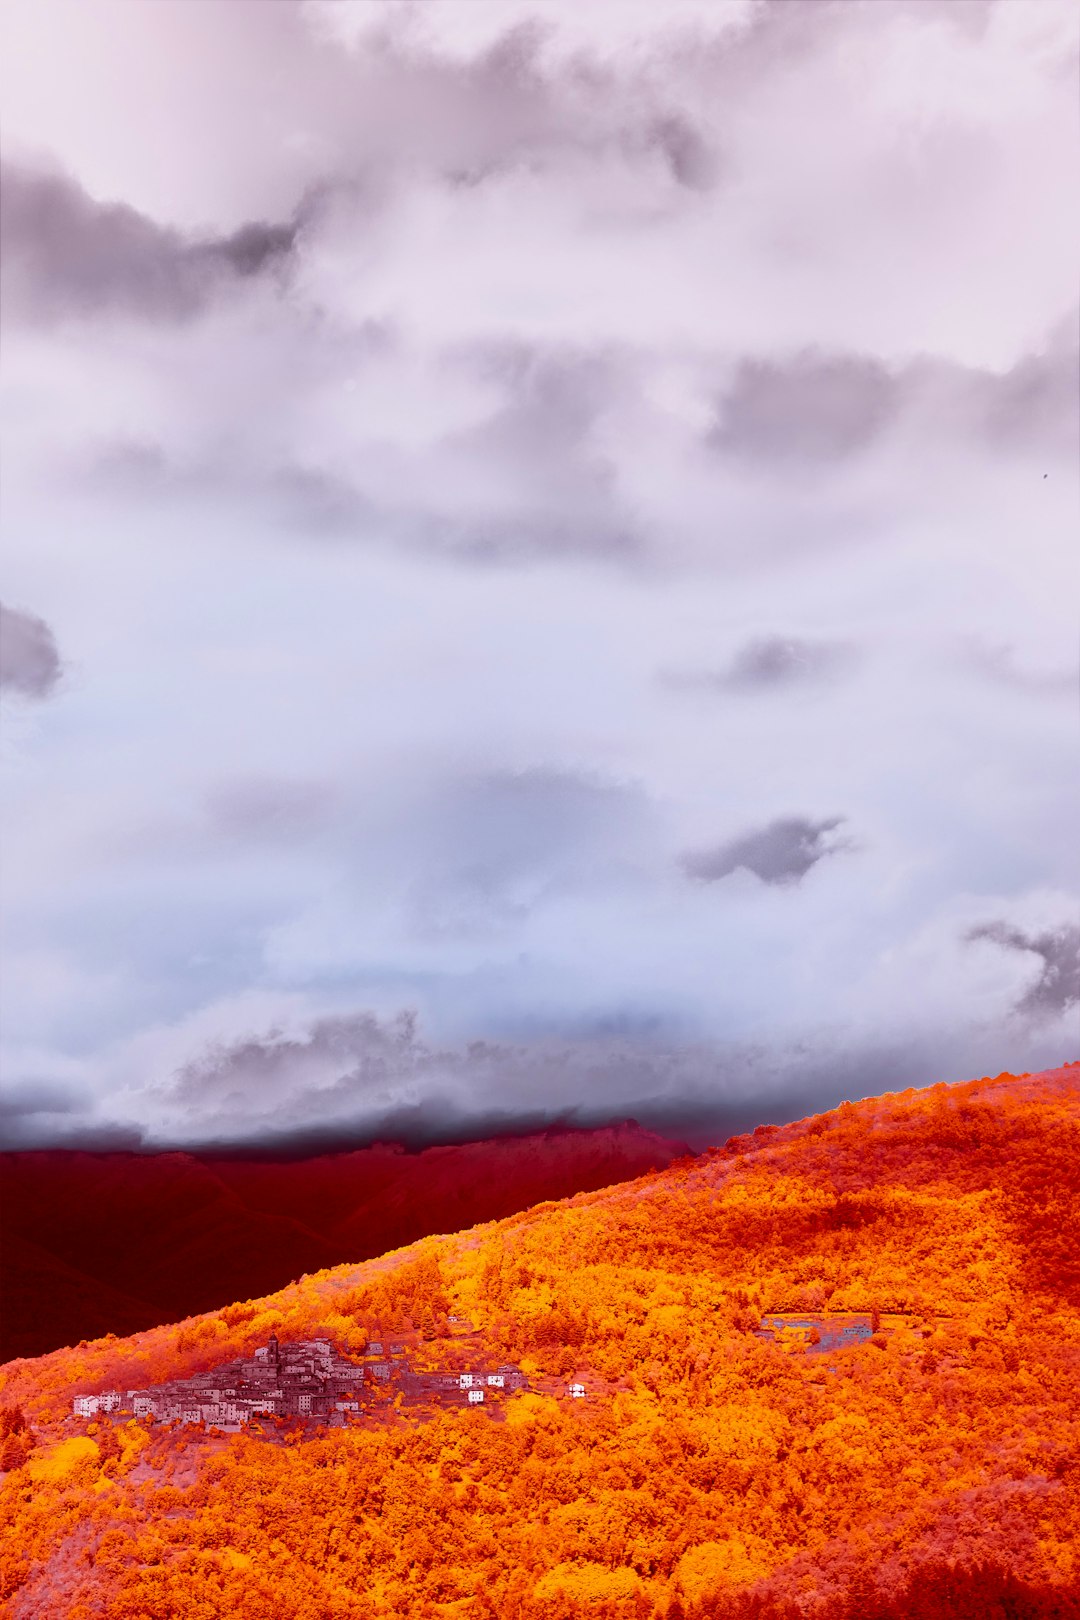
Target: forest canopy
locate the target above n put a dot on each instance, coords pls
(712, 1471)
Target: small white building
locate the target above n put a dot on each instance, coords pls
(86, 1405)
(476, 1396)
(465, 1381)
(495, 1380)
(577, 1392)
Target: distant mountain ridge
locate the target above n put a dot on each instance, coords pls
(98, 1243)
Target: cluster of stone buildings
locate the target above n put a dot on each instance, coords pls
(820, 1334)
(308, 1380)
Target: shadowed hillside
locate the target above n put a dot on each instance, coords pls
(720, 1467)
(115, 1242)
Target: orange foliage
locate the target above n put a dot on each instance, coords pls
(720, 1475)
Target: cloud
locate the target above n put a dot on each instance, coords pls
(811, 408)
(576, 343)
(780, 853)
(693, 162)
(1036, 403)
(268, 808)
(998, 662)
(38, 1097)
(355, 1077)
(29, 661)
(1057, 987)
(770, 663)
(64, 254)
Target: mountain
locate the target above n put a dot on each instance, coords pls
(115, 1242)
(737, 1455)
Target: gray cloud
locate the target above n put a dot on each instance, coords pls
(352, 1058)
(1036, 403)
(25, 1133)
(542, 482)
(812, 408)
(1057, 987)
(769, 663)
(691, 159)
(65, 254)
(780, 853)
(999, 663)
(710, 312)
(38, 1097)
(29, 661)
(500, 844)
(816, 407)
(274, 809)
(357, 1078)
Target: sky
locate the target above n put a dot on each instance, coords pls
(539, 561)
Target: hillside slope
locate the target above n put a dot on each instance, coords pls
(116, 1242)
(712, 1472)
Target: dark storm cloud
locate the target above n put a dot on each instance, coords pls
(350, 1080)
(29, 661)
(50, 1114)
(30, 1132)
(781, 853)
(65, 254)
(358, 1077)
(1057, 987)
(811, 408)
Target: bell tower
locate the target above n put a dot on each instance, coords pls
(274, 1350)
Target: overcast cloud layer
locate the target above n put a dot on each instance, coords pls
(539, 560)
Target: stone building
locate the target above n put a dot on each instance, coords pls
(308, 1380)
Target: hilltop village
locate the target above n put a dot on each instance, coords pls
(309, 1381)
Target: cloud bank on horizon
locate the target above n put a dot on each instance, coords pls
(539, 558)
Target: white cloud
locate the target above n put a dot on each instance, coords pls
(679, 331)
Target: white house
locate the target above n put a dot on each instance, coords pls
(475, 1397)
(577, 1392)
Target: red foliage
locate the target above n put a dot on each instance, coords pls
(101, 1243)
(930, 1472)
